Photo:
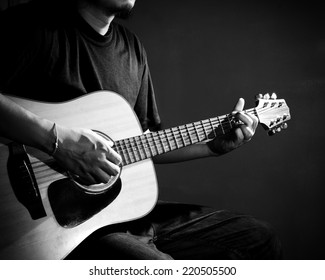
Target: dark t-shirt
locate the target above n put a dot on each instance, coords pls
(50, 55)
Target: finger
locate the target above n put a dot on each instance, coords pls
(240, 105)
(248, 119)
(239, 136)
(113, 156)
(247, 133)
(245, 119)
(100, 175)
(110, 168)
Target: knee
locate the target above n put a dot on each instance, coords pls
(267, 243)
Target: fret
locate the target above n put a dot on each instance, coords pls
(223, 132)
(120, 151)
(195, 134)
(158, 143)
(168, 140)
(152, 144)
(182, 136)
(204, 130)
(140, 147)
(179, 138)
(161, 143)
(125, 152)
(147, 145)
(165, 141)
(133, 149)
(136, 148)
(189, 134)
(128, 151)
(175, 138)
(165, 134)
(146, 150)
(212, 128)
(229, 121)
(195, 125)
(172, 139)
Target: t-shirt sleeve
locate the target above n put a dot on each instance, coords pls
(146, 105)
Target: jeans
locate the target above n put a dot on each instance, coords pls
(183, 231)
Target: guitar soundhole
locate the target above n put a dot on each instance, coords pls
(72, 206)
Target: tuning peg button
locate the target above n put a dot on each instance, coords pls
(284, 126)
(266, 96)
(273, 95)
(258, 96)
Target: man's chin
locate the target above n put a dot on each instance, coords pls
(122, 12)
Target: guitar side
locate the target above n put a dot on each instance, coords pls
(45, 237)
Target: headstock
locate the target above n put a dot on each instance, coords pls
(273, 113)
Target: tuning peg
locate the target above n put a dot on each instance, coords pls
(274, 96)
(271, 132)
(258, 96)
(284, 126)
(286, 116)
(272, 122)
(266, 96)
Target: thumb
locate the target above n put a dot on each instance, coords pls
(240, 105)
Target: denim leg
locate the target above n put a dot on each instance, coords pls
(183, 231)
(195, 232)
(126, 241)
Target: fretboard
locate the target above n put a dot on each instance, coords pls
(148, 145)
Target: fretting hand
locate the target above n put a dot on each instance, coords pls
(240, 134)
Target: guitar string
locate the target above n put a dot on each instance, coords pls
(174, 137)
(148, 149)
(170, 133)
(132, 146)
(157, 143)
(189, 131)
(40, 166)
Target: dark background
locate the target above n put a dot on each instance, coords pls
(206, 54)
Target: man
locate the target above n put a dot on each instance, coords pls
(62, 52)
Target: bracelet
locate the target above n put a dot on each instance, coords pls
(56, 143)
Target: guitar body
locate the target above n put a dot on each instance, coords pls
(56, 232)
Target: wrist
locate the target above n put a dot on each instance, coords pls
(49, 138)
(214, 150)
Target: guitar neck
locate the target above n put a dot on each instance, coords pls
(148, 145)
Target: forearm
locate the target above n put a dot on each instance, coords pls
(25, 127)
(200, 150)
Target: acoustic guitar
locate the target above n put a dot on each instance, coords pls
(45, 213)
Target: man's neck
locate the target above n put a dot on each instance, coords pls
(96, 18)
